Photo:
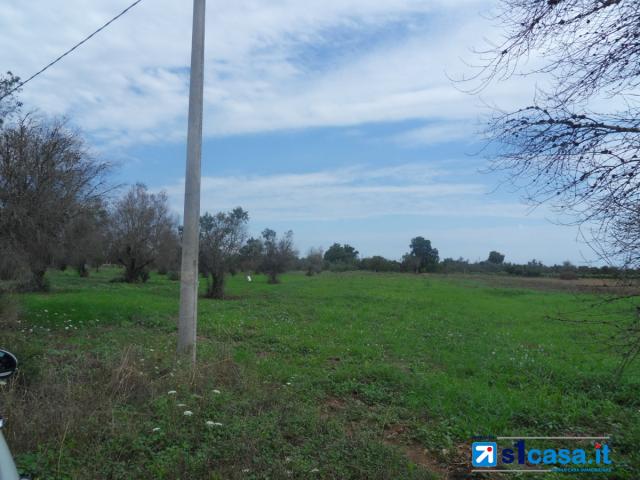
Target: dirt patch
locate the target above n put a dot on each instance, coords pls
(580, 285)
(335, 404)
(333, 362)
(331, 406)
(395, 436)
(445, 465)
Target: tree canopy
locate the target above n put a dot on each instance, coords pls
(577, 145)
(138, 223)
(48, 180)
(422, 257)
(221, 237)
(338, 253)
(495, 257)
(278, 253)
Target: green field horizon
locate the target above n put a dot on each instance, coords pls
(338, 375)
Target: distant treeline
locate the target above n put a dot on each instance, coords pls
(422, 258)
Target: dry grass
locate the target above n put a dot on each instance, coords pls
(9, 313)
(87, 397)
(608, 286)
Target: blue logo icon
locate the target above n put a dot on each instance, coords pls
(484, 454)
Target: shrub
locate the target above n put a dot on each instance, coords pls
(568, 275)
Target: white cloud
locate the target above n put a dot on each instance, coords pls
(352, 193)
(436, 133)
(270, 65)
(379, 209)
(290, 64)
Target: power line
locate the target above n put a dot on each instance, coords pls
(76, 46)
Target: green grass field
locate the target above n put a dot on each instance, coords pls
(341, 376)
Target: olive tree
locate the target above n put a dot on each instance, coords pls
(138, 222)
(84, 240)
(278, 255)
(250, 255)
(314, 261)
(221, 237)
(48, 179)
(169, 253)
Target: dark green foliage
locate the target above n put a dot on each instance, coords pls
(422, 257)
(533, 268)
(379, 264)
(341, 255)
(495, 257)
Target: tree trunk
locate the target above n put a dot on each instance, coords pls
(130, 273)
(215, 285)
(273, 277)
(81, 267)
(37, 282)
(134, 273)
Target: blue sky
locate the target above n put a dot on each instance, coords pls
(336, 119)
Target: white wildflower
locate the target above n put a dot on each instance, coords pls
(187, 413)
(171, 392)
(217, 392)
(157, 429)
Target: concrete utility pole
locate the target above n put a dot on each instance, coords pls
(187, 324)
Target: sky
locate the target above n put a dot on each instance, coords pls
(337, 119)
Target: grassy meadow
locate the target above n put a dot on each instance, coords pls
(336, 376)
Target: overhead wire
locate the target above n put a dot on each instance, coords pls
(72, 49)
